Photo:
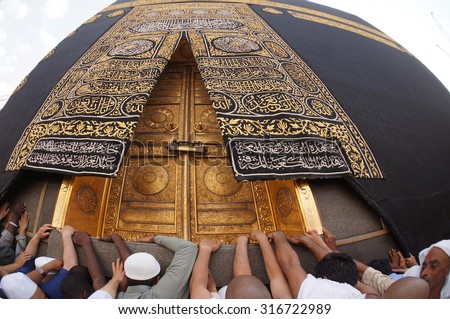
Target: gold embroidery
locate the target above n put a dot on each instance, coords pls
(116, 13)
(49, 54)
(272, 10)
(252, 77)
(112, 80)
(92, 19)
(358, 28)
(349, 28)
(72, 33)
(21, 84)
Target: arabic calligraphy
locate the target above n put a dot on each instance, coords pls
(76, 155)
(298, 157)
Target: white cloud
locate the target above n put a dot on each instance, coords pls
(47, 38)
(24, 49)
(2, 15)
(5, 69)
(5, 88)
(56, 9)
(2, 54)
(3, 35)
(17, 8)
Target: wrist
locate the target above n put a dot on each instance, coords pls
(42, 272)
(205, 248)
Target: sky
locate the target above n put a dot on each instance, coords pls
(29, 29)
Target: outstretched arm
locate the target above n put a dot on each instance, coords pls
(122, 248)
(278, 282)
(367, 289)
(15, 213)
(313, 242)
(69, 254)
(118, 275)
(21, 238)
(55, 264)
(241, 263)
(42, 233)
(19, 262)
(289, 262)
(175, 282)
(200, 272)
(83, 240)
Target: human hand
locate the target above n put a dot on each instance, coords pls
(394, 259)
(410, 261)
(298, 239)
(106, 238)
(402, 261)
(22, 259)
(44, 231)
(257, 235)
(209, 244)
(55, 264)
(329, 239)
(23, 223)
(4, 210)
(18, 209)
(118, 272)
(276, 235)
(147, 239)
(242, 240)
(81, 238)
(67, 231)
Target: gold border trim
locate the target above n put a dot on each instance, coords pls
(37, 218)
(62, 202)
(309, 210)
(343, 26)
(322, 17)
(359, 238)
(366, 236)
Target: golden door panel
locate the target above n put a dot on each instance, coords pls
(150, 198)
(85, 203)
(224, 208)
(186, 188)
(150, 191)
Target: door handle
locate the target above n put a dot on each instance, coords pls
(177, 146)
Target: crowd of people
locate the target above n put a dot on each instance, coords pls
(139, 275)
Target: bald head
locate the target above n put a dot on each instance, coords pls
(407, 288)
(247, 287)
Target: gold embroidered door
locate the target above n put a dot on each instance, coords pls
(176, 179)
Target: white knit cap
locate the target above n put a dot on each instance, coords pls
(41, 261)
(141, 266)
(18, 286)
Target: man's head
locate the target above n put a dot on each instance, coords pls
(407, 288)
(247, 287)
(435, 268)
(382, 265)
(20, 286)
(141, 267)
(78, 284)
(338, 267)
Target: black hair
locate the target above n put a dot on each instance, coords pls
(149, 282)
(338, 267)
(78, 284)
(382, 265)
